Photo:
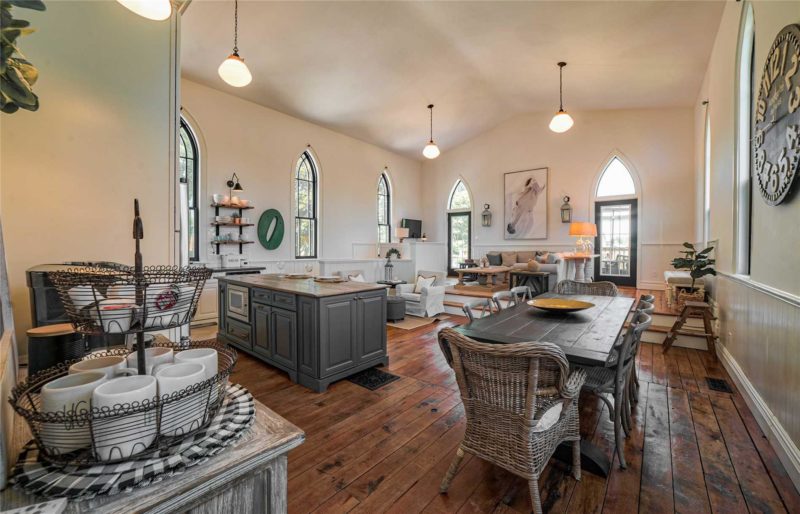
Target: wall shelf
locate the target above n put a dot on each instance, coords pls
(232, 242)
(217, 224)
(240, 226)
(235, 207)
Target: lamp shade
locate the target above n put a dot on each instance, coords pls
(561, 122)
(401, 232)
(157, 10)
(582, 229)
(234, 71)
(431, 151)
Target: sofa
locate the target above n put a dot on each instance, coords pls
(556, 266)
(427, 303)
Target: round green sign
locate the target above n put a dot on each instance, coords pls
(270, 229)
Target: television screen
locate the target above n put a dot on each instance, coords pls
(414, 227)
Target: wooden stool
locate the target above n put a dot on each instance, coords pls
(693, 310)
(50, 345)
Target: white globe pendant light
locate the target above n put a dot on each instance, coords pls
(562, 121)
(233, 70)
(431, 151)
(157, 10)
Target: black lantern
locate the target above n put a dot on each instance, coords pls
(566, 211)
(486, 216)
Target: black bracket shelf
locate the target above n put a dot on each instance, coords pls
(240, 226)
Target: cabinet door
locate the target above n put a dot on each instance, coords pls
(262, 335)
(238, 333)
(284, 342)
(307, 336)
(221, 308)
(337, 335)
(371, 326)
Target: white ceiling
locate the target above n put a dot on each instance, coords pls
(368, 69)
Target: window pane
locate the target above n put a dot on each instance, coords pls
(383, 233)
(459, 240)
(193, 232)
(304, 237)
(460, 198)
(616, 180)
(382, 209)
(187, 170)
(615, 240)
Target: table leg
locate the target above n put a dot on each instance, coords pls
(593, 459)
(580, 268)
(460, 278)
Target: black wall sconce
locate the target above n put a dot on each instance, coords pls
(233, 184)
(486, 216)
(566, 211)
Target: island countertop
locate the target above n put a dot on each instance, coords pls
(302, 286)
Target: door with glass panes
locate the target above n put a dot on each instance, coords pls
(616, 241)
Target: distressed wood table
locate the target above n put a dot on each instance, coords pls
(485, 275)
(248, 477)
(586, 337)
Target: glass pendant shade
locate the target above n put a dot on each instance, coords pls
(157, 10)
(431, 151)
(561, 122)
(234, 71)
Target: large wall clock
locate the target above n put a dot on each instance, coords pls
(776, 141)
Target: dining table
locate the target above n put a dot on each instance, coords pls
(587, 338)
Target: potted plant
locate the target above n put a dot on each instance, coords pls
(388, 268)
(699, 265)
(17, 75)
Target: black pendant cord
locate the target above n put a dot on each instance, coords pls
(236, 27)
(138, 273)
(561, 86)
(431, 109)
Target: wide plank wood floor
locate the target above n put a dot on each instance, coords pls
(692, 450)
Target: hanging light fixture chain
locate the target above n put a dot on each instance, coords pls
(431, 109)
(561, 85)
(236, 27)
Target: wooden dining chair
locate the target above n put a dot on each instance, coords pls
(613, 379)
(521, 294)
(648, 308)
(483, 305)
(589, 288)
(520, 402)
(503, 296)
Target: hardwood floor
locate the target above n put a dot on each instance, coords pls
(692, 449)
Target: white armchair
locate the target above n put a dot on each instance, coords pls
(427, 303)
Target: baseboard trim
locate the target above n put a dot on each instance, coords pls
(781, 442)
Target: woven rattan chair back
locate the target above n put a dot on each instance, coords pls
(484, 306)
(503, 296)
(590, 288)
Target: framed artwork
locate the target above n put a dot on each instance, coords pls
(525, 204)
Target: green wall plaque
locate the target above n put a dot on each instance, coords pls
(270, 239)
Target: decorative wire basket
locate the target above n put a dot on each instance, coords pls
(102, 301)
(93, 435)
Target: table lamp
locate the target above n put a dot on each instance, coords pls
(583, 229)
(402, 233)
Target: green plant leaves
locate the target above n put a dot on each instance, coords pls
(36, 5)
(17, 75)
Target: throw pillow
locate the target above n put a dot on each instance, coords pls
(494, 259)
(533, 265)
(508, 258)
(542, 257)
(423, 282)
(551, 258)
(356, 278)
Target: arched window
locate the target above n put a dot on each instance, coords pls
(616, 180)
(305, 216)
(459, 198)
(384, 210)
(189, 172)
(744, 134)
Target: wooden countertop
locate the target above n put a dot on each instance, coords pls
(302, 286)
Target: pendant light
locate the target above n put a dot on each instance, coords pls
(562, 121)
(233, 70)
(157, 10)
(431, 151)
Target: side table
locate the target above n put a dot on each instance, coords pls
(538, 281)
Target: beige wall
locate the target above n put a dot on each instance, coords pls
(656, 143)
(263, 145)
(760, 314)
(101, 138)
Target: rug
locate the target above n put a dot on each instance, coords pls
(372, 378)
(412, 322)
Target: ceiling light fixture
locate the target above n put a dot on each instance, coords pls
(562, 121)
(233, 70)
(157, 10)
(431, 151)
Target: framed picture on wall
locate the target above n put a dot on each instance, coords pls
(525, 204)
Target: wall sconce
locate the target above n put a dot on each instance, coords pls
(486, 216)
(233, 184)
(566, 211)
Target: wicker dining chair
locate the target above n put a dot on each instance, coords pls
(520, 402)
(633, 389)
(613, 379)
(590, 288)
(484, 305)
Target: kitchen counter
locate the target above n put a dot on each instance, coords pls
(303, 286)
(244, 268)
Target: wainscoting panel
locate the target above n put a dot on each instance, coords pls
(760, 331)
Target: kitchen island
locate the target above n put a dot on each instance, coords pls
(317, 332)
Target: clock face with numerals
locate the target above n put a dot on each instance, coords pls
(776, 140)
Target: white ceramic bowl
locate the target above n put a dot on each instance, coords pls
(111, 366)
(123, 436)
(70, 394)
(152, 357)
(218, 199)
(205, 356)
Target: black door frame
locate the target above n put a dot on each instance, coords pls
(450, 216)
(634, 256)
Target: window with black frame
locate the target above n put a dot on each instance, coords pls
(305, 219)
(189, 172)
(384, 210)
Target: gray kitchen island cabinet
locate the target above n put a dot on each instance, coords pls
(316, 332)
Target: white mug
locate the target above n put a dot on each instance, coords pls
(70, 394)
(153, 357)
(120, 437)
(205, 356)
(111, 366)
(180, 417)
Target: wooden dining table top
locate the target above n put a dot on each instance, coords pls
(586, 336)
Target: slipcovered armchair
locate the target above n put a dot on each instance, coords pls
(430, 301)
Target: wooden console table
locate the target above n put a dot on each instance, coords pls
(248, 477)
(579, 262)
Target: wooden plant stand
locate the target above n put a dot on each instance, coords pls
(693, 310)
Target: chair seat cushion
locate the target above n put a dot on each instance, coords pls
(549, 418)
(411, 297)
(681, 278)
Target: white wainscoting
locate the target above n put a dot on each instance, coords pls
(760, 336)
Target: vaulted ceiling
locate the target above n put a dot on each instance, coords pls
(368, 69)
